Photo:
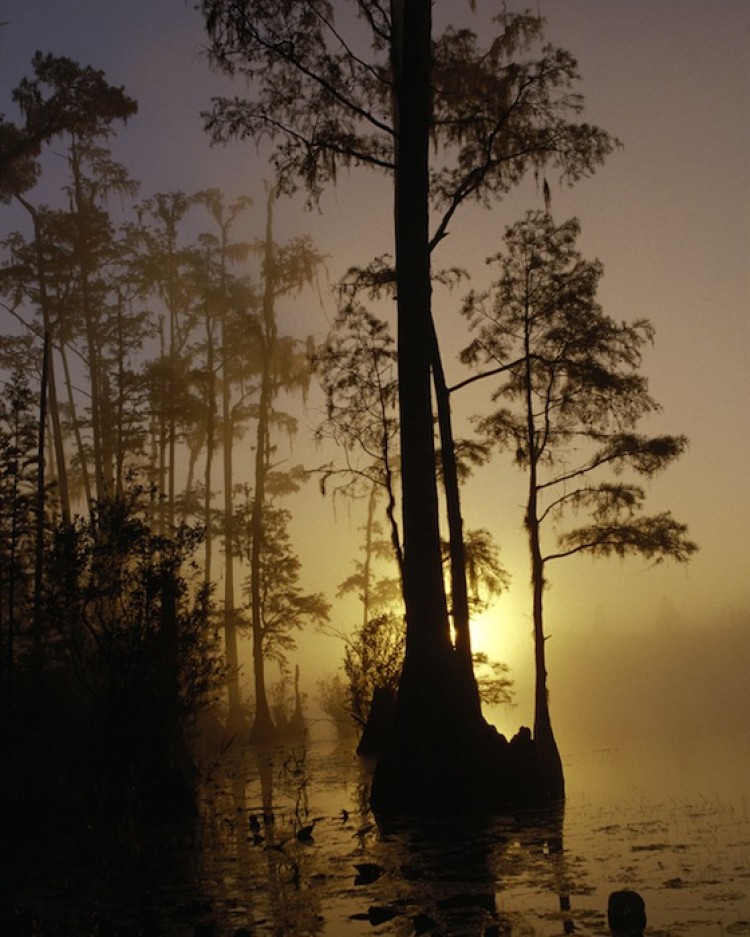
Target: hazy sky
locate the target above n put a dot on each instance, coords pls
(668, 215)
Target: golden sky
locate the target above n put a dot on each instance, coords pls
(669, 217)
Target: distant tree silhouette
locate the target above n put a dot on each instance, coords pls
(282, 366)
(221, 294)
(272, 582)
(356, 367)
(69, 248)
(164, 267)
(570, 397)
(18, 445)
(62, 97)
(132, 632)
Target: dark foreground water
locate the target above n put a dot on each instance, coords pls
(286, 845)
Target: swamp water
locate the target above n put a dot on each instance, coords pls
(286, 845)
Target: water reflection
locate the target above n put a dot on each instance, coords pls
(448, 876)
(285, 844)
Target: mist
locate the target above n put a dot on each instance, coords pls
(665, 684)
(138, 653)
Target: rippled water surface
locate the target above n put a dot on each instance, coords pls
(286, 845)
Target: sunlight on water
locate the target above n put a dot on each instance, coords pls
(687, 852)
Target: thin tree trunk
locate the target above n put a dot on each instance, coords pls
(457, 552)
(367, 565)
(549, 755)
(76, 425)
(230, 624)
(62, 475)
(210, 430)
(37, 637)
(92, 337)
(118, 429)
(263, 728)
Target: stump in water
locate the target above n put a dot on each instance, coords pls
(442, 757)
(626, 914)
(379, 722)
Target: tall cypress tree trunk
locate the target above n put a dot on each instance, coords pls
(101, 487)
(459, 590)
(60, 464)
(263, 728)
(230, 623)
(441, 754)
(550, 762)
(210, 429)
(37, 636)
(424, 594)
(429, 712)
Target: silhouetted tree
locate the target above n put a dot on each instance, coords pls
(131, 625)
(18, 479)
(356, 367)
(571, 396)
(278, 606)
(165, 267)
(333, 695)
(62, 97)
(27, 273)
(498, 118)
(373, 660)
(284, 270)
(220, 293)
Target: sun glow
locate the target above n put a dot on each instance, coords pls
(503, 633)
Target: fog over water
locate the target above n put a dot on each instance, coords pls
(648, 665)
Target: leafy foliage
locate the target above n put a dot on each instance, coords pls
(373, 657)
(125, 619)
(62, 97)
(570, 394)
(285, 607)
(325, 101)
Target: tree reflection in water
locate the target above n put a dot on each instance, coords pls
(448, 876)
(286, 845)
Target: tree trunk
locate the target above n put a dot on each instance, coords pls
(424, 594)
(367, 565)
(263, 728)
(230, 624)
(431, 755)
(549, 755)
(62, 473)
(210, 424)
(37, 636)
(441, 755)
(459, 589)
(550, 762)
(76, 427)
(101, 488)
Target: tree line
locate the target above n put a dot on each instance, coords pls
(180, 351)
(141, 352)
(453, 121)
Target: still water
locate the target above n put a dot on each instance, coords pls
(286, 845)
